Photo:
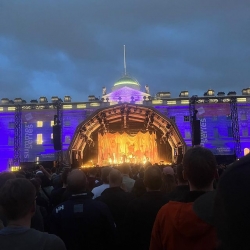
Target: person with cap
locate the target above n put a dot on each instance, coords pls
(142, 211)
(83, 223)
(17, 200)
(228, 207)
(176, 225)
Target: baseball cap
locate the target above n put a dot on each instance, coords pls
(168, 170)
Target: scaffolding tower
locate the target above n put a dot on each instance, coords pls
(17, 135)
(235, 125)
(59, 121)
(192, 114)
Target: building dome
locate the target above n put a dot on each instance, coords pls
(126, 81)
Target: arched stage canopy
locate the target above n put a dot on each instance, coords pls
(131, 119)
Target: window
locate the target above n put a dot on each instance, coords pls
(184, 101)
(186, 118)
(52, 123)
(157, 102)
(39, 139)
(171, 102)
(39, 124)
(79, 106)
(172, 118)
(67, 106)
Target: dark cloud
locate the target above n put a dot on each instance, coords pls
(75, 47)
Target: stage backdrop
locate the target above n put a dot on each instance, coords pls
(119, 148)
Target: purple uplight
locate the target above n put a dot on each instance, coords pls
(125, 94)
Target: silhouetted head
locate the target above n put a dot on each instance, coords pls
(115, 178)
(77, 181)
(4, 176)
(105, 173)
(153, 178)
(199, 166)
(17, 198)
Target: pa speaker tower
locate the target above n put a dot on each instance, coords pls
(57, 140)
(196, 132)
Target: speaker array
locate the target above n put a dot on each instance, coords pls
(196, 132)
(57, 140)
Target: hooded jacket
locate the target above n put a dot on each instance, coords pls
(177, 227)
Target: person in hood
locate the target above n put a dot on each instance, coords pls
(176, 225)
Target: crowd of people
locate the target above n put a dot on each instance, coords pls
(194, 205)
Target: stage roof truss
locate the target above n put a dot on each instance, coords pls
(123, 113)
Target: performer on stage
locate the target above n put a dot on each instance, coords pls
(124, 158)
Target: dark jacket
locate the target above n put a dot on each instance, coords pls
(140, 218)
(117, 200)
(83, 223)
(56, 196)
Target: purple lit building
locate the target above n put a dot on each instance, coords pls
(26, 128)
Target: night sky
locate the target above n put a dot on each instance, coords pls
(57, 48)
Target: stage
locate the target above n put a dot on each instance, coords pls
(126, 133)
